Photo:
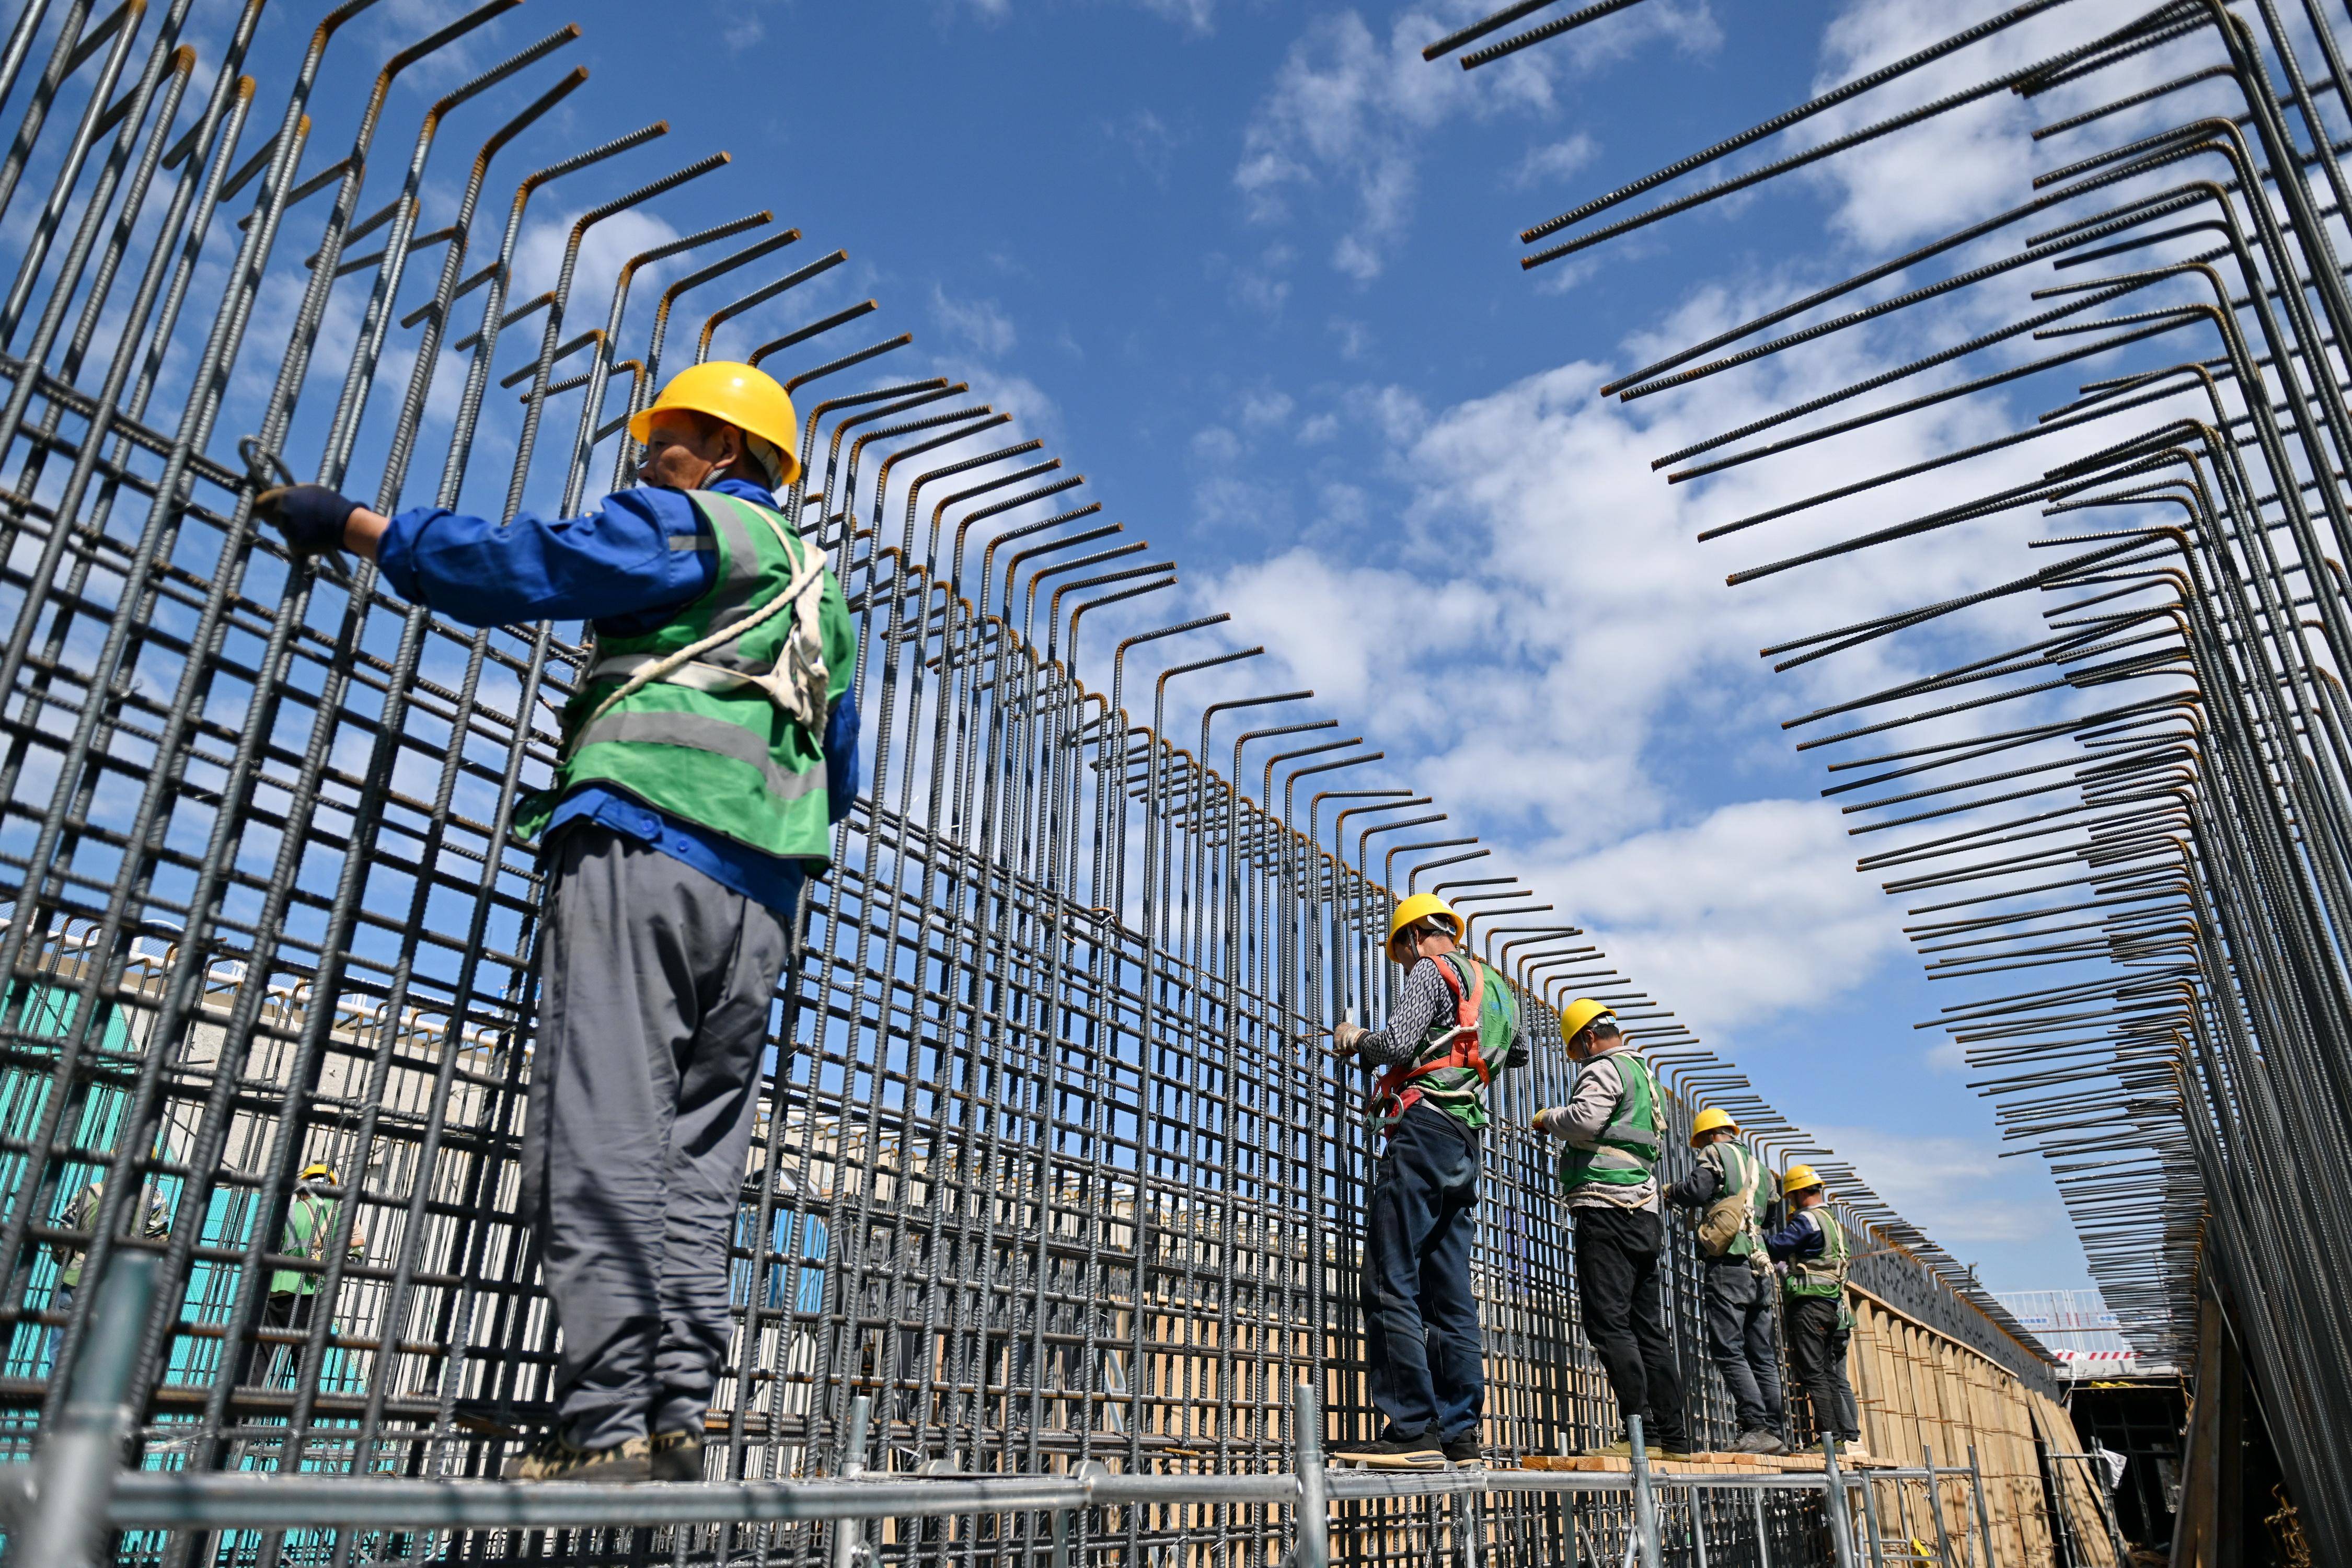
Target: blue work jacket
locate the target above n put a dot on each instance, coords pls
(616, 568)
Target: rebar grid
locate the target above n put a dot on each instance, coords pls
(1049, 1168)
(2155, 778)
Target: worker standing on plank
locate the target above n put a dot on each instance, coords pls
(709, 748)
(1728, 1188)
(81, 1214)
(294, 1292)
(1818, 1257)
(1609, 1175)
(1457, 1025)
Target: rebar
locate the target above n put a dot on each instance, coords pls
(1050, 1187)
(2162, 855)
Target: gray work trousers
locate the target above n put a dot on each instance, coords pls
(1738, 1304)
(655, 994)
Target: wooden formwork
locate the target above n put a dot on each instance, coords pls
(1921, 1390)
(2071, 1485)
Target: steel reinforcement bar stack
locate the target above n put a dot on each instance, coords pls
(2128, 818)
(1052, 1177)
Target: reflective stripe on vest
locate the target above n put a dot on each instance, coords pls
(1826, 1274)
(1451, 1067)
(716, 717)
(696, 732)
(1627, 1152)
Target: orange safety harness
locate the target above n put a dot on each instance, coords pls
(1395, 1085)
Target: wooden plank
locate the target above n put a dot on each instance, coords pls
(1703, 1464)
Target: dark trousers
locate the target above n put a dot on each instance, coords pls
(1817, 1348)
(1617, 1286)
(1740, 1338)
(288, 1310)
(1420, 1318)
(61, 1299)
(654, 1004)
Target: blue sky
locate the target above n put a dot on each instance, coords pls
(1251, 267)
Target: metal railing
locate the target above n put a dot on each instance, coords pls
(69, 1504)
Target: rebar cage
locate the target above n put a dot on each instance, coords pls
(2133, 817)
(1050, 1165)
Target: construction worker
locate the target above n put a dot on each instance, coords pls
(1813, 1247)
(294, 1292)
(708, 750)
(1728, 1188)
(1456, 1023)
(81, 1214)
(1609, 1177)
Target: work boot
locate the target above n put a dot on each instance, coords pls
(1623, 1449)
(1762, 1440)
(676, 1456)
(1392, 1453)
(1465, 1451)
(554, 1459)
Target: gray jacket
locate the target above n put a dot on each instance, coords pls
(1592, 1108)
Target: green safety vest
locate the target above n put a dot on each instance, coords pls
(1441, 1070)
(717, 717)
(81, 1214)
(1744, 1174)
(1627, 1152)
(310, 1225)
(1824, 1275)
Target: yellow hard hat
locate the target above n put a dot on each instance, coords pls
(1801, 1178)
(317, 1168)
(1578, 1015)
(1417, 909)
(1712, 1118)
(742, 394)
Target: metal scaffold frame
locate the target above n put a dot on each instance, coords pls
(2166, 804)
(1051, 1180)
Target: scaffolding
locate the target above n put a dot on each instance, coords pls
(1051, 1179)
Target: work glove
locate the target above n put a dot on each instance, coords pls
(1345, 1036)
(311, 517)
(1551, 1118)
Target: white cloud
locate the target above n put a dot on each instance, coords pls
(1033, 412)
(1952, 1188)
(1351, 110)
(1215, 444)
(1752, 910)
(1349, 107)
(1266, 408)
(1148, 139)
(539, 256)
(743, 24)
(1261, 285)
(1555, 160)
(1510, 593)
(1573, 654)
(1355, 337)
(1196, 16)
(1977, 159)
(979, 323)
